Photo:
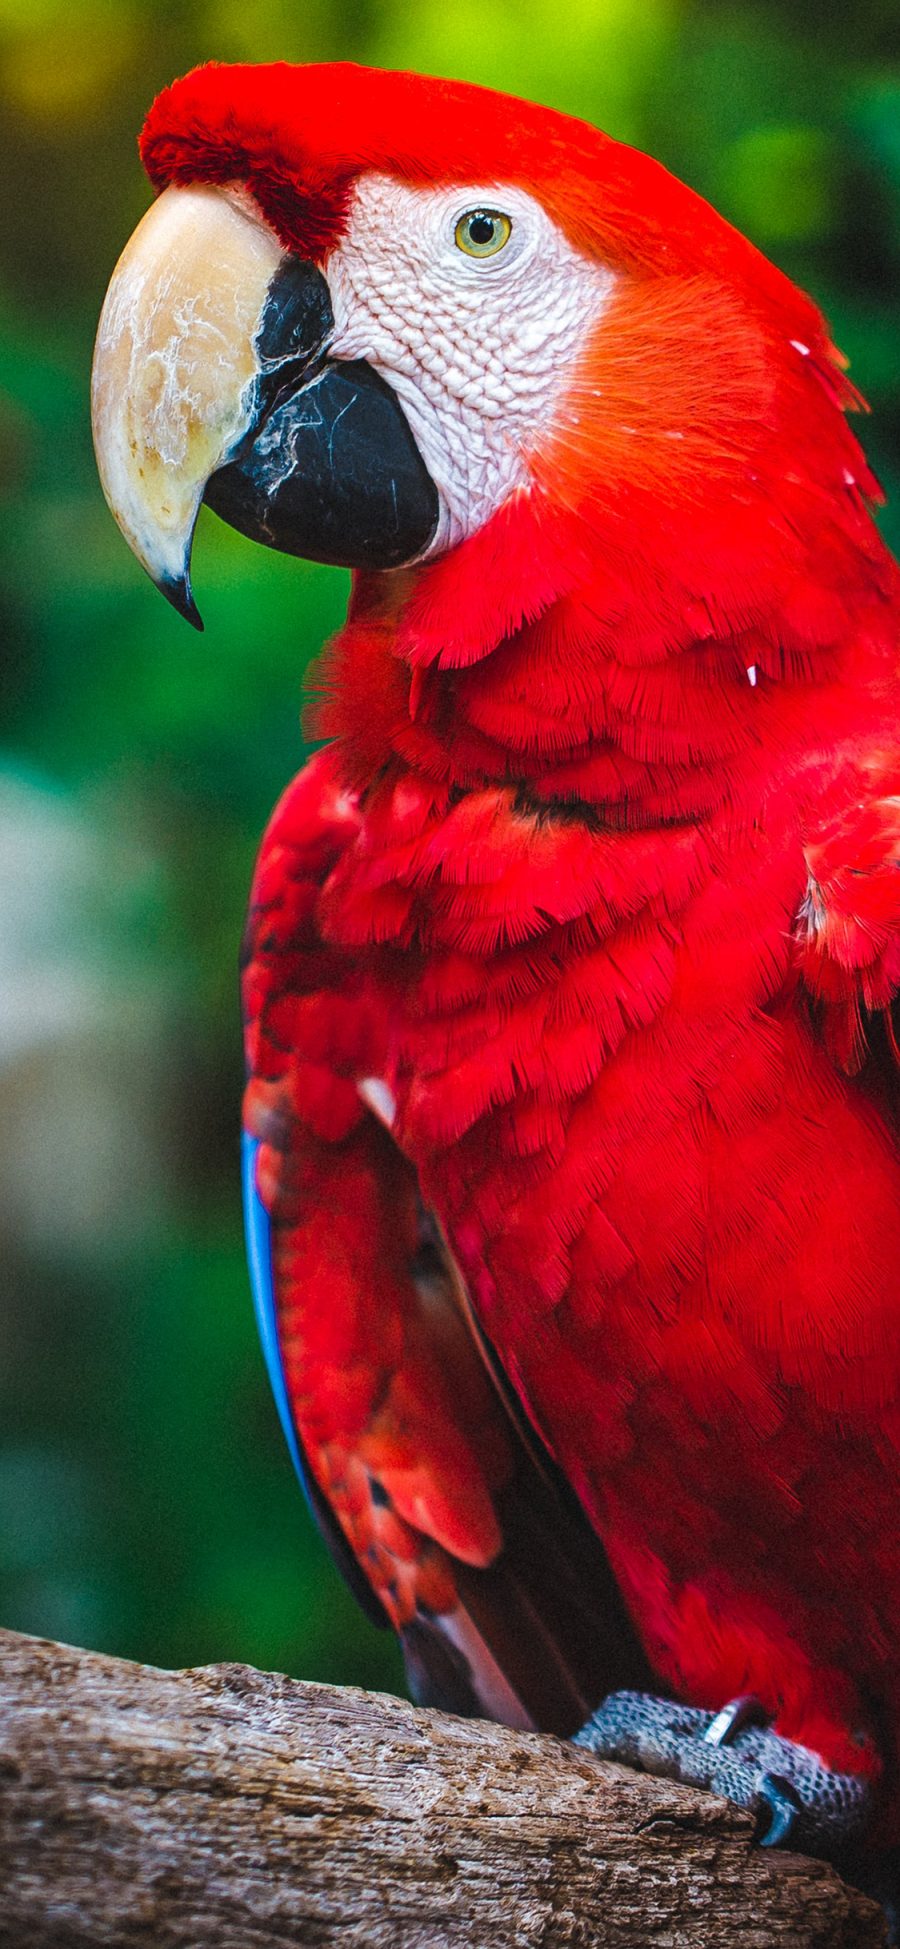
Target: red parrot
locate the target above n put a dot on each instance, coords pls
(573, 1158)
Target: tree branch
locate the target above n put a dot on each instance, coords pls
(232, 1808)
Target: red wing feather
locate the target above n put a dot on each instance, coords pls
(464, 1531)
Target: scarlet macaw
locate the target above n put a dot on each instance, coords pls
(573, 1176)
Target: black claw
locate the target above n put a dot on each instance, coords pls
(776, 1796)
(734, 1718)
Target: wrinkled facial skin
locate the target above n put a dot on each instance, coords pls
(478, 350)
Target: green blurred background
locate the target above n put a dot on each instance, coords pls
(146, 1501)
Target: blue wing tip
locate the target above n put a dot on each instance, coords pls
(258, 1232)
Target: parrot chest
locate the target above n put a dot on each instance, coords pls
(684, 1254)
(672, 1218)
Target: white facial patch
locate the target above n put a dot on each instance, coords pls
(479, 350)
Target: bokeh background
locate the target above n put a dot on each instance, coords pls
(146, 1501)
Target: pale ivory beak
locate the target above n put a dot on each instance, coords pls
(173, 387)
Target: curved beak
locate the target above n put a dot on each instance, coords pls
(211, 381)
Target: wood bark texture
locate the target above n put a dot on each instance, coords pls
(235, 1808)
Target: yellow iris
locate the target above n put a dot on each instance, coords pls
(481, 233)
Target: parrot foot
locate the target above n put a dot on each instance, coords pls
(797, 1800)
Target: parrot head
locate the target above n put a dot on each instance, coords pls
(371, 312)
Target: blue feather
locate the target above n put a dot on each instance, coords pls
(258, 1232)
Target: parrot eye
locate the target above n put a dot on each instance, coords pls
(481, 233)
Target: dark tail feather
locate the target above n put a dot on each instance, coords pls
(540, 1637)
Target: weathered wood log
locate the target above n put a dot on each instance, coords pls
(231, 1807)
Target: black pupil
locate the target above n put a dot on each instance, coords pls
(481, 229)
